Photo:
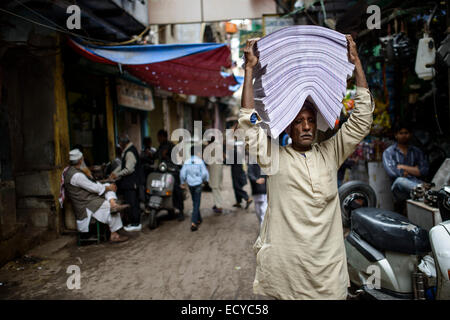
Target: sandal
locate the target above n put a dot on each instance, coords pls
(249, 201)
(119, 239)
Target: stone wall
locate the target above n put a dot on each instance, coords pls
(27, 169)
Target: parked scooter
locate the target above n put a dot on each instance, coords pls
(159, 192)
(387, 254)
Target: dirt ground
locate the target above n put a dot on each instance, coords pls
(170, 262)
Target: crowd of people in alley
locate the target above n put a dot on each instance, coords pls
(119, 198)
(405, 164)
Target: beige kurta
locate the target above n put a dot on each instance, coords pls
(215, 182)
(300, 251)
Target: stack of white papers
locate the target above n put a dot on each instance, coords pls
(298, 63)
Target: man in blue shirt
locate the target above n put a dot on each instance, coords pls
(194, 173)
(405, 164)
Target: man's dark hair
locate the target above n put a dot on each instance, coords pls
(402, 125)
(192, 150)
(147, 140)
(310, 106)
(163, 133)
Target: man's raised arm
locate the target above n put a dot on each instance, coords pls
(247, 100)
(357, 127)
(257, 140)
(360, 77)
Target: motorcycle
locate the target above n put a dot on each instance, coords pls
(159, 192)
(390, 258)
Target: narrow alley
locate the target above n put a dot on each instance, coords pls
(170, 262)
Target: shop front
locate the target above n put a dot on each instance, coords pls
(87, 118)
(135, 107)
(403, 94)
(89, 108)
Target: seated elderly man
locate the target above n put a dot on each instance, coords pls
(92, 199)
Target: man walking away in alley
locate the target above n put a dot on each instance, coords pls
(91, 199)
(129, 178)
(215, 180)
(405, 164)
(258, 182)
(194, 173)
(238, 175)
(300, 248)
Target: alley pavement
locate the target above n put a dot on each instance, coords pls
(170, 262)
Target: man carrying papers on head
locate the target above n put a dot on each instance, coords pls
(300, 249)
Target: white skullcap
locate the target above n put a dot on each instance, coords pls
(75, 155)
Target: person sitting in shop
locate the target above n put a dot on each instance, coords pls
(405, 164)
(90, 198)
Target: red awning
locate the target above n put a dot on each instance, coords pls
(194, 74)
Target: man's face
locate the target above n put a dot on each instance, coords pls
(303, 128)
(161, 139)
(403, 136)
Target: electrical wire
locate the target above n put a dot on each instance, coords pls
(39, 15)
(45, 18)
(88, 40)
(433, 88)
(49, 27)
(136, 38)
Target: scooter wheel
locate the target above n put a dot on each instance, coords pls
(153, 222)
(352, 195)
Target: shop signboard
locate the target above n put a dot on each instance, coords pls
(135, 96)
(274, 22)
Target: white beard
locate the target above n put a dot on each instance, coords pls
(83, 165)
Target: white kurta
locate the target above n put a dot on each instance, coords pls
(260, 206)
(103, 214)
(300, 249)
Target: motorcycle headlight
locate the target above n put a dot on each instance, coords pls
(162, 167)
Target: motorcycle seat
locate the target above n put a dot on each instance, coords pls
(389, 231)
